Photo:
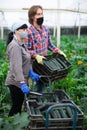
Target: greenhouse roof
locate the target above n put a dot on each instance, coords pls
(71, 11)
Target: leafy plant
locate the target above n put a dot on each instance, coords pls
(2, 49)
(17, 122)
(74, 84)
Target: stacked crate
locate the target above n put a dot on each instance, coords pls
(61, 117)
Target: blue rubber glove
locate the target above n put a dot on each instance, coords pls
(33, 75)
(24, 88)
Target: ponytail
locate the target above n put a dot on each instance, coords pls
(9, 38)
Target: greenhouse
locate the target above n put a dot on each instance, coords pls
(63, 70)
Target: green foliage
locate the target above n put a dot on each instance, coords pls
(17, 122)
(4, 95)
(75, 49)
(3, 62)
(3, 71)
(85, 122)
(83, 103)
(2, 49)
(74, 84)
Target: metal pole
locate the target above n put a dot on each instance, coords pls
(79, 27)
(54, 31)
(58, 24)
(2, 32)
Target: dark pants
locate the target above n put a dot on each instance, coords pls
(17, 100)
(40, 86)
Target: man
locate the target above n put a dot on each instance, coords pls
(39, 40)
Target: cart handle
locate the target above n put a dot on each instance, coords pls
(26, 99)
(61, 105)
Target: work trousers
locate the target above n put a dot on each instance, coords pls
(17, 100)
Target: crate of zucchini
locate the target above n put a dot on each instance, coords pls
(60, 118)
(54, 67)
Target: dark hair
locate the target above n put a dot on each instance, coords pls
(32, 12)
(9, 38)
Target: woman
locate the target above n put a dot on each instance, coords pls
(19, 66)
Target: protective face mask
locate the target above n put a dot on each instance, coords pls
(40, 21)
(22, 34)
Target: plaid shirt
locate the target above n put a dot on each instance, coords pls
(39, 41)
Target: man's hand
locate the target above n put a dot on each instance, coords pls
(39, 59)
(62, 53)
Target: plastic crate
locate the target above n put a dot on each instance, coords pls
(54, 67)
(60, 118)
(56, 97)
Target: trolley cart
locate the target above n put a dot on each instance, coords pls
(58, 114)
(61, 105)
(35, 93)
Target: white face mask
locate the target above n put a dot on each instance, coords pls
(22, 34)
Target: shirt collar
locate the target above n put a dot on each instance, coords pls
(34, 27)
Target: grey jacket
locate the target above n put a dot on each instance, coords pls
(19, 63)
